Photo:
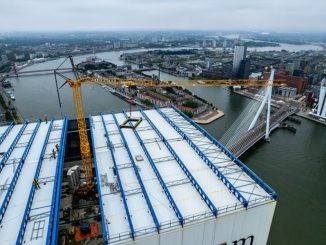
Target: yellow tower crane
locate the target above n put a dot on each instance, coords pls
(79, 108)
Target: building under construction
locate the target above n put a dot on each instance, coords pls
(159, 179)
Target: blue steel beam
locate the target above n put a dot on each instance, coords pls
(17, 172)
(158, 175)
(52, 235)
(140, 181)
(261, 183)
(217, 172)
(12, 146)
(116, 170)
(183, 167)
(32, 190)
(104, 228)
(4, 135)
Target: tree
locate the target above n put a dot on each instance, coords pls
(191, 104)
(188, 113)
(8, 116)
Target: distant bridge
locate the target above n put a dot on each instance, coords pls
(21, 73)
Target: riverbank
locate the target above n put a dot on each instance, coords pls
(307, 116)
(257, 98)
(8, 106)
(300, 113)
(208, 117)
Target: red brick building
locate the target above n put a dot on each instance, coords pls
(299, 83)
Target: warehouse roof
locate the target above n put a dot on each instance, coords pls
(166, 173)
(29, 178)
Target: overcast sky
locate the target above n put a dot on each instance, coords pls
(85, 15)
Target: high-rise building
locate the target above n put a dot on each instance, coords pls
(289, 67)
(225, 44)
(321, 110)
(214, 43)
(239, 55)
(244, 69)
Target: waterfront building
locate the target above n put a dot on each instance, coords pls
(285, 91)
(321, 108)
(300, 83)
(155, 98)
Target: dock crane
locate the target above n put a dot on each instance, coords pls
(77, 83)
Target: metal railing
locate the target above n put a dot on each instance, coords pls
(52, 235)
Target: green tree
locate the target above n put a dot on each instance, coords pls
(191, 104)
(188, 113)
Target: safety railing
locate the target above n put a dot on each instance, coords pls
(52, 235)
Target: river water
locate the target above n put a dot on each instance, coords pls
(293, 164)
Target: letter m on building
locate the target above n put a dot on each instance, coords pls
(248, 241)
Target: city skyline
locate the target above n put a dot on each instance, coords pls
(113, 15)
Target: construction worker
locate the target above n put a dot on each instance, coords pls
(36, 184)
(46, 118)
(53, 153)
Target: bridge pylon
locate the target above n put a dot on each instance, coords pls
(267, 100)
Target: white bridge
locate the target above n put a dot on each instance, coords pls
(245, 131)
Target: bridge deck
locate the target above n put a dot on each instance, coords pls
(246, 141)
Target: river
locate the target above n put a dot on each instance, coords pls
(293, 164)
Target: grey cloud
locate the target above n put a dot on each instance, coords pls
(162, 14)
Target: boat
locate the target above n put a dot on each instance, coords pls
(11, 95)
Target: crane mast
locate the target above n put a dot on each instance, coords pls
(82, 129)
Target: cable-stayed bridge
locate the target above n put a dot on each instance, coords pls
(256, 122)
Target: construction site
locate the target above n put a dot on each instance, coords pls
(137, 177)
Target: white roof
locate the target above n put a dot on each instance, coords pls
(180, 185)
(26, 213)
